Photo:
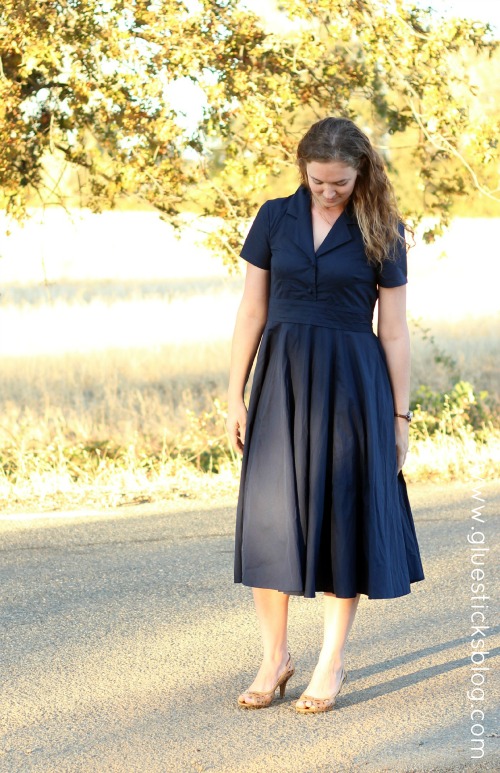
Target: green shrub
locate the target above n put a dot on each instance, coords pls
(454, 412)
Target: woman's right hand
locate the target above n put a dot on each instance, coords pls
(236, 424)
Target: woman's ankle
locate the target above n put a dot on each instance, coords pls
(331, 661)
(276, 657)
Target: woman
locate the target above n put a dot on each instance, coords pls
(323, 505)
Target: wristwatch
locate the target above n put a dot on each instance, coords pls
(408, 416)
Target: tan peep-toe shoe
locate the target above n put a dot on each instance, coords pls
(261, 700)
(319, 705)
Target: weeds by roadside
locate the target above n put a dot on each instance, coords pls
(52, 463)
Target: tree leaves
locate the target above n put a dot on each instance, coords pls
(87, 85)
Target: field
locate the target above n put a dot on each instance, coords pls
(115, 337)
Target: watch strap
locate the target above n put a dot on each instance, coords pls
(408, 416)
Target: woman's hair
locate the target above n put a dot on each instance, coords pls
(373, 199)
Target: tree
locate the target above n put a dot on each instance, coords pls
(86, 83)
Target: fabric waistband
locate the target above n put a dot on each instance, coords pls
(320, 313)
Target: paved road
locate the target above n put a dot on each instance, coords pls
(125, 644)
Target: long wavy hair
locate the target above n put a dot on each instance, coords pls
(373, 199)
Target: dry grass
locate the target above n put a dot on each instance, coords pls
(471, 345)
(121, 426)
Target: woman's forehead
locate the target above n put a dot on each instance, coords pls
(330, 171)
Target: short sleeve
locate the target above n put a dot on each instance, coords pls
(257, 246)
(394, 272)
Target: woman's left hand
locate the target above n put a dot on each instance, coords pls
(402, 430)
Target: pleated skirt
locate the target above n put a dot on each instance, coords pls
(321, 506)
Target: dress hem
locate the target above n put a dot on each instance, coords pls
(309, 596)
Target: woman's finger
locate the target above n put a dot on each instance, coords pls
(242, 432)
(401, 456)
(233, 431)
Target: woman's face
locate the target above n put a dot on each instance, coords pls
(331, 182)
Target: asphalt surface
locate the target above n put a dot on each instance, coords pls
(125, 644)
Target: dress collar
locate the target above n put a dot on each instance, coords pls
(299, 207)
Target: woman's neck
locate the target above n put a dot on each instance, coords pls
(328, 214)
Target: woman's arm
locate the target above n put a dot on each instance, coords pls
(250, 322)
(392, 330)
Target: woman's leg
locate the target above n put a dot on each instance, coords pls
(339, 617)
(272, 611)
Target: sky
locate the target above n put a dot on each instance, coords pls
(482, 10)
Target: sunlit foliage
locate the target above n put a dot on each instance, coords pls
(84, 86)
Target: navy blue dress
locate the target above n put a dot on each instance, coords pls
(321, 505)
